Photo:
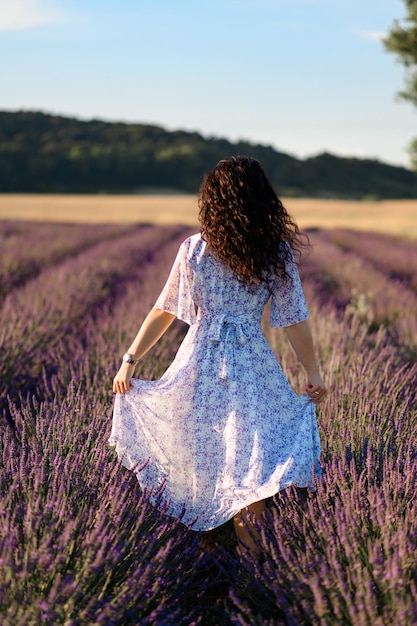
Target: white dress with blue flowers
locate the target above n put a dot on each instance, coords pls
(222, 428)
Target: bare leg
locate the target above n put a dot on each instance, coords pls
(247, 535)
(208, 541)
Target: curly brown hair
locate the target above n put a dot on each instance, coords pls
(245, 223)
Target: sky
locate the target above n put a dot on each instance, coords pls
(304, 76)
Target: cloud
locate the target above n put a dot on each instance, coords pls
(22, 14)
(370, 34)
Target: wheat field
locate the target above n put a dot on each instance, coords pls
(390, 216)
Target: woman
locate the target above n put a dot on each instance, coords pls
(222, 430)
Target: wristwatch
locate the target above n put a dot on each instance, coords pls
(128, 358)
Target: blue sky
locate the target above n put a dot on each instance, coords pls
(305, 76)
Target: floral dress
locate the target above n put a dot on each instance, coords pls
(222, 428)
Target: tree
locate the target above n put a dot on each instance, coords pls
(402, 41)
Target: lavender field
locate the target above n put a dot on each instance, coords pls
(79, 542)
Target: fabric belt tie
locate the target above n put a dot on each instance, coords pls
(228, 331)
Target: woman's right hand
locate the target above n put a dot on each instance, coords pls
(122, 380)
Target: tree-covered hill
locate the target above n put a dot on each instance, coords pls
(49, 153)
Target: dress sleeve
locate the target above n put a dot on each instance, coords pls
(176, 296)
(288, 305)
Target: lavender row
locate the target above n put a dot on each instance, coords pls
(80, 543)
(354, 287)
(27, 248)
(84, 544)
(56, 306)
(341, 556)
(346, 556)
(61, 588)
(93, 356)
(394, 256)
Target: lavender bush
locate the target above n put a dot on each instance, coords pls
(27, 248)
(79, 541)
(357, 287)
(395, 256)
(61, 301)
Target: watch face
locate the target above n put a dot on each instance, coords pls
(128, 359)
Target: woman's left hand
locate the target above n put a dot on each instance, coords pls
(122, 380)
(316, 389)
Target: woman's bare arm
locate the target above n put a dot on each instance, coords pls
(299, 336)
(153, 327)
